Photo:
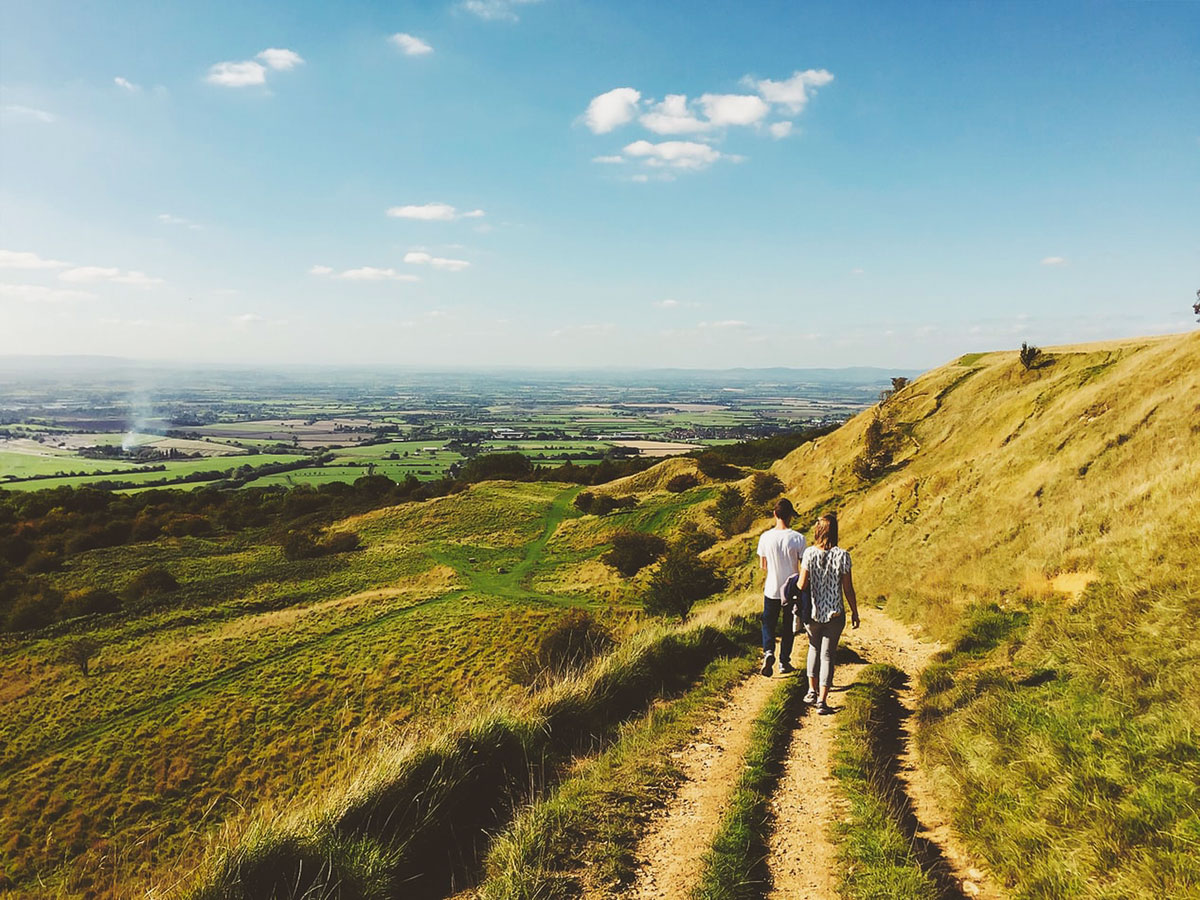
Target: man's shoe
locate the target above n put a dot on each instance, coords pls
(786, 668)
(824, 709)
(810, 698)
(768, 665)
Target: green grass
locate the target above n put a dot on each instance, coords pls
(25, 465)
(876, 848)
(415, 814)
(584, 831)
(735, 863)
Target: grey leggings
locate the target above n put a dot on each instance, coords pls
(822, 643)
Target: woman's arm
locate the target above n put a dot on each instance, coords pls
(803, 583)
(851, 598)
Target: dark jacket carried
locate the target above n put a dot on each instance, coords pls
(799, 600)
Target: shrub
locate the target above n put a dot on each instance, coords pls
(682, 579)
(35, 609)
(876, 454)
(95, 600)
(584, 501)
(497, 466)
(764, 488)
(682, 482)
(41, 562)
(1029, 355)
(571, 644)
(151, 582)
(304, 545)
(632, 551)
(694, 539)
(341, 542)
(714, 466)
(728, 511)
(80, 652)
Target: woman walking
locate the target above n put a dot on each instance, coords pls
(825, 570)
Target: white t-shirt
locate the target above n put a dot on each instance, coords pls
(825, 571)
(782, 549)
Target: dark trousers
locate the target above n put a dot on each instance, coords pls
(770, 625)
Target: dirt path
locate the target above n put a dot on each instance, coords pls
(802, 858)
(670, 854)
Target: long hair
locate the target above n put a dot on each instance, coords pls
(825, 534)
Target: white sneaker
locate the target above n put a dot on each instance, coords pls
(768, 665)
(811, 697)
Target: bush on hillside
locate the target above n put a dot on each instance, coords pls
(877, 451)
(151, 582)
(305, 545)
(1030, 355)
(693, 539)
(571, 644)
(682, 579)
(765, 488)
(602, 504)
(731, 512)
(40, 562)
(632, 551)
(714, 466)
(80, 652)
(682, 482)
(88, 602)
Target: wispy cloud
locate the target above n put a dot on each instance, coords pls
(15, 110)
(23, 259)
(791, 93)
(363, 273)
(37, 293)
(675, 154)
(98, 274)
(168, 219)
(410, 45)
(126, 84)
(495, 10)
(421, 258)
(1054, 261)
(432, 212)
(249, 73)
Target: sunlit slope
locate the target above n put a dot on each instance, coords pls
(1046, 523)
(1005, 477)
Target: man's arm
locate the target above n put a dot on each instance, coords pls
(762, 563)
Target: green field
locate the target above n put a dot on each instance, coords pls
(173, 469)
(25, 465)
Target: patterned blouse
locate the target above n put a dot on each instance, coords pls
(825, 571)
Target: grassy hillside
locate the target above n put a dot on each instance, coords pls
(1047, 523)
(263, 676)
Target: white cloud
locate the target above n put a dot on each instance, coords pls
(780, 129)
(93, 274)
(36, 293)
(126, 84)
(432, 212)
(734, 109)
(495, 10)
(670, 303)
(676, 154)
(320, 270)
(89, 274)
(612, 109)
(22, 259)
(249, 73)
(1054, 261)
(371, 273)
(280, 60)
(672, 116)
(724, 323)
(168, 219)
(248, 319)
(410, 45)
(857, 271)
(28, 112)
(608, 160)
(791, 93)
(421, 258)
(237, 74)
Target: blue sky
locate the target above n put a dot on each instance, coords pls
(576, 182)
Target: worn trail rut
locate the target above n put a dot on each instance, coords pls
(802, 859)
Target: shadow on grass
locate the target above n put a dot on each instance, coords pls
(891, 742)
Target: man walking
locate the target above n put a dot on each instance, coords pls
(779, 552)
